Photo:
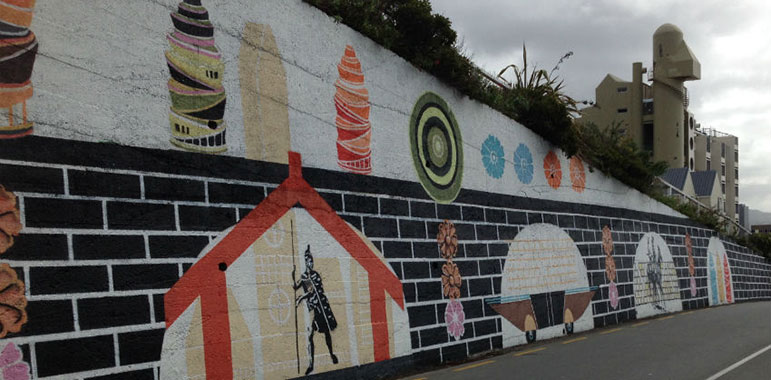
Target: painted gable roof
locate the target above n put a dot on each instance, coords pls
(703, 182)
(676, 177)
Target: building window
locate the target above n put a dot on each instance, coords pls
(736, 191)
(691, 140)
(736, 156)
(621, 89)
(722, 150)
(648, 137)
(722, 187)
(722, 170)
(736, 173)
(709, 164)
(709, 145)
(622, 110)
(647, 107)
(691, 163)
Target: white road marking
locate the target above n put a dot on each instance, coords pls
(739, 363)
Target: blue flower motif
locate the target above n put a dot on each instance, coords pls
(493, 157)
(523, 164)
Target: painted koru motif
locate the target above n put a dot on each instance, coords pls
(719, 277)
(437, 148)
(656, 288)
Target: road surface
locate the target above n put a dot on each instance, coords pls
(698, 344)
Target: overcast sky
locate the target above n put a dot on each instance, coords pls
(731, 39)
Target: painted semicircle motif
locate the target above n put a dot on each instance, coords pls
(656, 287)
(719, 276)
(544, 290)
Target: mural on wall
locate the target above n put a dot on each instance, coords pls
(354, 130)
(437, 148)
(232, 313)
(544, 286)
(610, 266)
(18, 49)
(552, 170)
(719, 277)
(577, 174)
(656, 288)
(691, 264)
(454, 316)
(195, 87)
(12, 366)
(523, 164)
(264, 95)
(493, 157)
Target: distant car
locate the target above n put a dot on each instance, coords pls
(530, 312)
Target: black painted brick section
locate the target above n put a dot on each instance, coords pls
(507, 232)
(74, 355)
(142, 374)
(140, 216)
(158, 307)
(174, 189)
(487, 232)
(429, 291)
(454, 353)
(334, 200)
(94, 184)
(32, 179)
(475, 250)
(485, 327)
(48, 317)
(140, 346)
(177, 246)
(478, 346)
(379, 227)
(412, 229)
(397, 249)
(463, 230)
(432, 336)
(361, 204)
(62, 280)
(516, 217)
(550, 219)
(199, 218)
(144, 276)
(63, 213)
(103, 312)
(448, 212)
(95, 247)
(409, 291)
(493, 215)
(489, 267)
(498, 249)
(426, 250)
(233, 193)
(566, 221)
(354, 220)
(534, 218)
(36, 247)
(423, 209)
(421, 315)
(390, 206)
(473, 213)
(473, 309)
(416, 270)
(480, 287)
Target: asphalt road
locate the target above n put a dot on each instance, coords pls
(695, 344)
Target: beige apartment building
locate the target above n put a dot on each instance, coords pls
(655, 115)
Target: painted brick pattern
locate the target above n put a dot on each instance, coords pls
(98, 258)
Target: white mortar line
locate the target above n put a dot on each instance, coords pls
(78, 296)
(142, 186)
(33, 360)
(87, 333)
(22, 213)
(116, 348)
(75, 315)
(66, 181)
(70, 250)
(109, 279)
(101, 372)
(103, 262)
(91, 231)
(147, 246)
(104, 215)
(176, 217)
(152, 308)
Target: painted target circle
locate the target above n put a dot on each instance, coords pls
(436, 146)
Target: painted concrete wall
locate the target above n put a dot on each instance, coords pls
(240, 189)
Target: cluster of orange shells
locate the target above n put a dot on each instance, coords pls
(13, 303)
(448, 247)
(607, 246)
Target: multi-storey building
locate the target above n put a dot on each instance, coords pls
(655, 116)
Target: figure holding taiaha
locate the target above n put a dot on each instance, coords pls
(323, 319)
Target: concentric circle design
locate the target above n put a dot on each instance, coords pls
(437, 148)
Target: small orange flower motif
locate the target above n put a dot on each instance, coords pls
(689, 249)
(577, 174)
(552, 170)
(447, 239)
(10, 224)
(13, 303)
(451, 281)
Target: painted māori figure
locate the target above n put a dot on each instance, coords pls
(196, 68)
(18, 48)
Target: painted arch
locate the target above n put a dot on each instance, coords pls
(719, 276)
(656, 289)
